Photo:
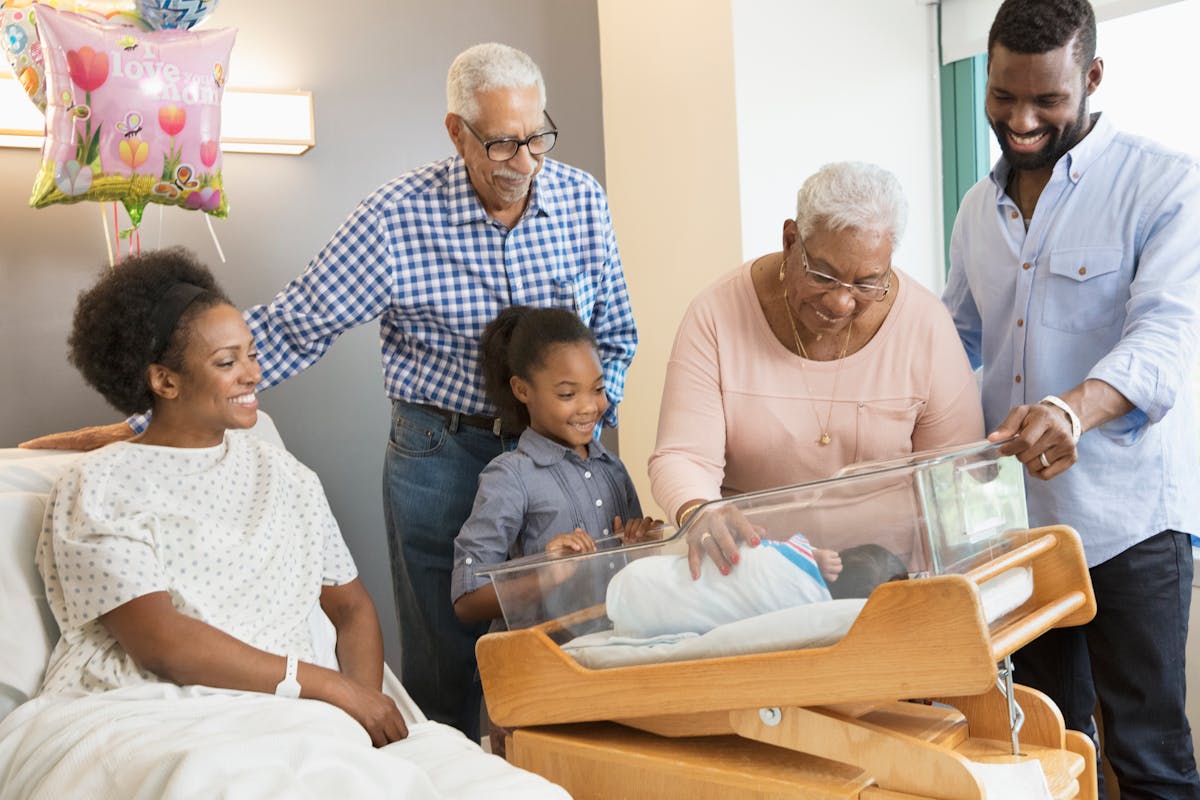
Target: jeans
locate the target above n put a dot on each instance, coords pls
(1131, 657)
(430, 475)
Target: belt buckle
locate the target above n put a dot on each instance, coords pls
(496, 426)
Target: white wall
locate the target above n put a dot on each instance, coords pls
(819, 82)
(1147, 60)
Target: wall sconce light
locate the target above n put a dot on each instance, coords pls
(267, 121)
(252, 120)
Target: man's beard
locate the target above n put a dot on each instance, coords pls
(517, 194)
(1055, 148)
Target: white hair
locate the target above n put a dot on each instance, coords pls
(852, 194)
(485, 67)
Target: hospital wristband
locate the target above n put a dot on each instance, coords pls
(1059, 403)
(289, 687)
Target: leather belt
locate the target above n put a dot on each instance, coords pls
(472, 420)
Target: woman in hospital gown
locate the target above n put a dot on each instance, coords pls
(194, 553)
(187, 565)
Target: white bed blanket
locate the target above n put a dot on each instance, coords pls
(164, 742)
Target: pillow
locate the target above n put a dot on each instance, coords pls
(32, 470)
(27, 631)
(265, 429)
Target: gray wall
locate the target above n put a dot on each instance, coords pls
(377, 72)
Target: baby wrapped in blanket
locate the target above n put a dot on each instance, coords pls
(656, 595)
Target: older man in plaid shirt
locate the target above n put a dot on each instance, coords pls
(434, 255)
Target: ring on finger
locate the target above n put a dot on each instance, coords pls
(1045, 461)
(705, 538)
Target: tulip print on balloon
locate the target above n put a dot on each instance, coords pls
(132, 116)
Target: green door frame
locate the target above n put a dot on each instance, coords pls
(965, 157)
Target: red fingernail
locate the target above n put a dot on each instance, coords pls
(724, 570)
(734, 560)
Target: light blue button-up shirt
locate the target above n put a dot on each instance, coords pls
(1104, 284)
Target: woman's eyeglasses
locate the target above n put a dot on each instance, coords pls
(859, 291)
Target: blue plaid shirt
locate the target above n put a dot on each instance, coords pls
(422, 255)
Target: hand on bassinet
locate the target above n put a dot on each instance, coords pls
(577, 541)
(636, 531)
(565, 544)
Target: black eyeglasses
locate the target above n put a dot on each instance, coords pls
(505, 149)
(860, 291)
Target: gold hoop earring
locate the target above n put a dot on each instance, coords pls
(783, 268)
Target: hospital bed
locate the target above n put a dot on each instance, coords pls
(162, 741)
(812, 701)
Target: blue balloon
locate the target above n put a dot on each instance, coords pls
(163, 15)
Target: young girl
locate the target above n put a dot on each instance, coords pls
(560, 488)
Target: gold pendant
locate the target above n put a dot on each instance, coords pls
(824, 440)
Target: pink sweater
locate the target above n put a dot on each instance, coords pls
(736, 415)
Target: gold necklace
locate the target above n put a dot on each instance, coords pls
(825, 437)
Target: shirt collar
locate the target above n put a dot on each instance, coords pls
(543, 452)
(1076, 161)
(1083, 155)
(464, 206)
(542, 201)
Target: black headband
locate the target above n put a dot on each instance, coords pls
(170, 308)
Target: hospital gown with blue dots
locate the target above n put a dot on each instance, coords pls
(238, 535)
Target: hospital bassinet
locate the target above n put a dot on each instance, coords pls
(826, 685)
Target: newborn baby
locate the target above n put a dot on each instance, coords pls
(656, 595)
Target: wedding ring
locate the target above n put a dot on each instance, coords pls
(705, 537)
(1044, 460)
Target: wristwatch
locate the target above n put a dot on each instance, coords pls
(289, 686)
(1058, 402)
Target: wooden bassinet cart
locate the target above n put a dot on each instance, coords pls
(826, 722)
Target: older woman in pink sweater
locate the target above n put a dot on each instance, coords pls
(803, 361)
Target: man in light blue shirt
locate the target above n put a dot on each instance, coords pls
(1075, 284)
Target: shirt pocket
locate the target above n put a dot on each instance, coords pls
(575, 293)
(885, 427)
(1086, 289)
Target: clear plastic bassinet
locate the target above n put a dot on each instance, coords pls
(938, 512)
